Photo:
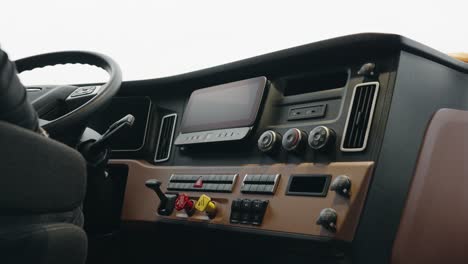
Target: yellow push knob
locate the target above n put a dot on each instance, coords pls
(204, 204)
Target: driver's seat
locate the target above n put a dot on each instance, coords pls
(42, 185)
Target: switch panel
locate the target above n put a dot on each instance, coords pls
(301, 192)
(222, 183)
(260, 183)
(248, 212)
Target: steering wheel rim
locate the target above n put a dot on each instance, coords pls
(102, 97)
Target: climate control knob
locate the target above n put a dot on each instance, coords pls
(269, 141)
(327, 219)
(321, 137)
(294, 140)
(341, 185)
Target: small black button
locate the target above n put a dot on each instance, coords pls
(257, 218)
(235, 217)
(254, 188)
(208, 178)
(263, 178)
(193, 178)
(261, 188)
(248, 178)
(269, 189)
(271, 178)
(256, 178)
(236, 204)
(246, 205)
(258, 205)
(245, 218)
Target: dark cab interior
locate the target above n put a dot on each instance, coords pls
(347, 150)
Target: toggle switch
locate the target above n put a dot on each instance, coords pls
(204, 204)
(183, 202)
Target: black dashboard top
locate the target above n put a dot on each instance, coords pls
(323, 52)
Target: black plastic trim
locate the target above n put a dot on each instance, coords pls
(324, 191)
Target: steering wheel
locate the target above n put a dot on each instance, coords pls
(76, 103)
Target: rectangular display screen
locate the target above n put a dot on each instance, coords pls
(308, 185)
(231, 105)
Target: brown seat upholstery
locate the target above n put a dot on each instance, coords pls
(434, 224)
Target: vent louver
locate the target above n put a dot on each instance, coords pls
(166, 135)
(360, 116)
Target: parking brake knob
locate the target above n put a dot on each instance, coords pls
(167, 201)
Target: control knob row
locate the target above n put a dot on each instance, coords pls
(269, 141)
(295, 140)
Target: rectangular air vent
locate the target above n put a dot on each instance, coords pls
(360, 116)
(166, 135)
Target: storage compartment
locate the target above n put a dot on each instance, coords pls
(313, 82)
(308, 185)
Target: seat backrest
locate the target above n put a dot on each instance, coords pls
(434, 224)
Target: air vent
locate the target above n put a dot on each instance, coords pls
(166, 135)
(360, 116)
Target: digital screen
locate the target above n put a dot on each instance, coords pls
(231, 105)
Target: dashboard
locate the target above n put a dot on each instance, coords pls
(317, 142)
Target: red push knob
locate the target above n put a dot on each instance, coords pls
(183, 202)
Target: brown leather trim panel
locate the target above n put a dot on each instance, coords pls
(291, 214)
(433, 227)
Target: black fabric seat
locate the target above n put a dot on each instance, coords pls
(42, 187)
(43, 244)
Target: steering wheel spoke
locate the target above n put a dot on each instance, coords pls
(85, 92)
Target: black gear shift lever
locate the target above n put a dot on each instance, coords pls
(166, 206)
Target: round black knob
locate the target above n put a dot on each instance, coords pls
(294, 140)
(327, 219)
(269, 141)
(341, 185)
(321, 137)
